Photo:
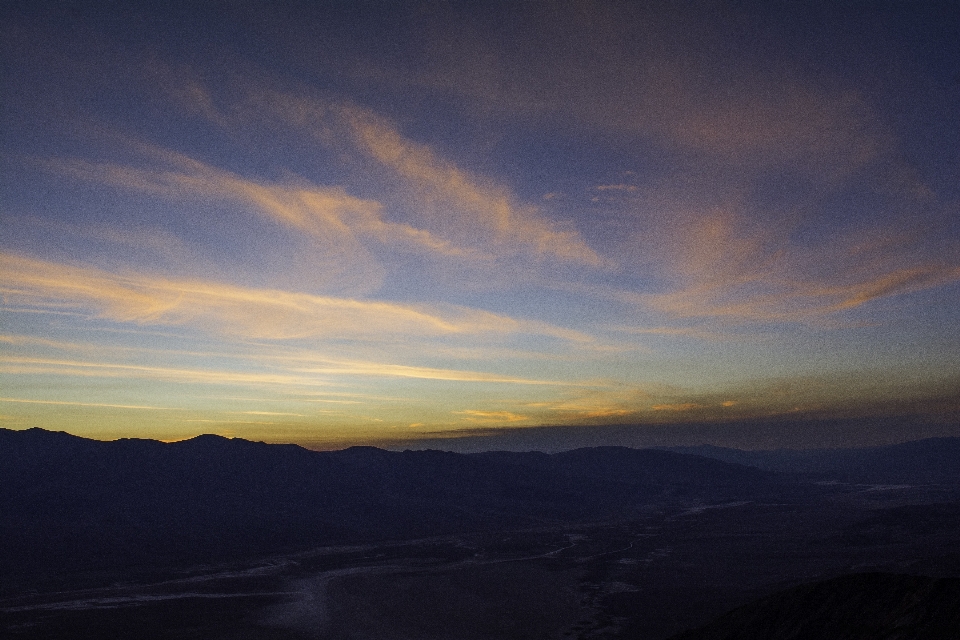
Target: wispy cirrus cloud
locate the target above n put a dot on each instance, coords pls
(653, 71)
(293, 377)
(33, 341)
(790, 141)
(94, 369)
(479, 205)
(87, 404)
(242, 311)
(721, 263)
(456, 212)
(330, 216)
(678, 407)
(791, 300)
(379, 369)
(472, 415)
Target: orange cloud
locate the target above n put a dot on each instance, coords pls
(492, 416)
(18, 365)
(472, 217)
(683, 406)
(892, 283)
(606, 413)
(404, 371)
(720, 263)
(792, 301)
(481, 205)
(240, 311)
(290, 378)
(328, 215)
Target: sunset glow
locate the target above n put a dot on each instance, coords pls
(350, 224)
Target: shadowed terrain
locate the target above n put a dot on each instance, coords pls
(871, 606)
(74, 503)
(218, 538)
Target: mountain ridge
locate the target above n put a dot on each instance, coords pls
(76, 503)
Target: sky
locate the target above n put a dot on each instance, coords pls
(374, 223)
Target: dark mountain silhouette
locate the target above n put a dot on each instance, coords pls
(870, 606)
(932, 460)
(71, 503)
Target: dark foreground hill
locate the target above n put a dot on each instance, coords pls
(224, 539)
(70, 503)
(871, 606)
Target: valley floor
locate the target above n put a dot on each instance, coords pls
(677, 567)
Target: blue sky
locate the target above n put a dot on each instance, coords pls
(336, 224)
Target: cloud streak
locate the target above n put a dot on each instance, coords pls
(458, 214)
(293, 377)
(472, 415)
(778, 297)
(241, 311)
(330, 216)
(480, 205)
(87, 404)
(722, 264)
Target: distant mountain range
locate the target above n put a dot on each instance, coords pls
(871, 606)
(71, 503)
(933, 460)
